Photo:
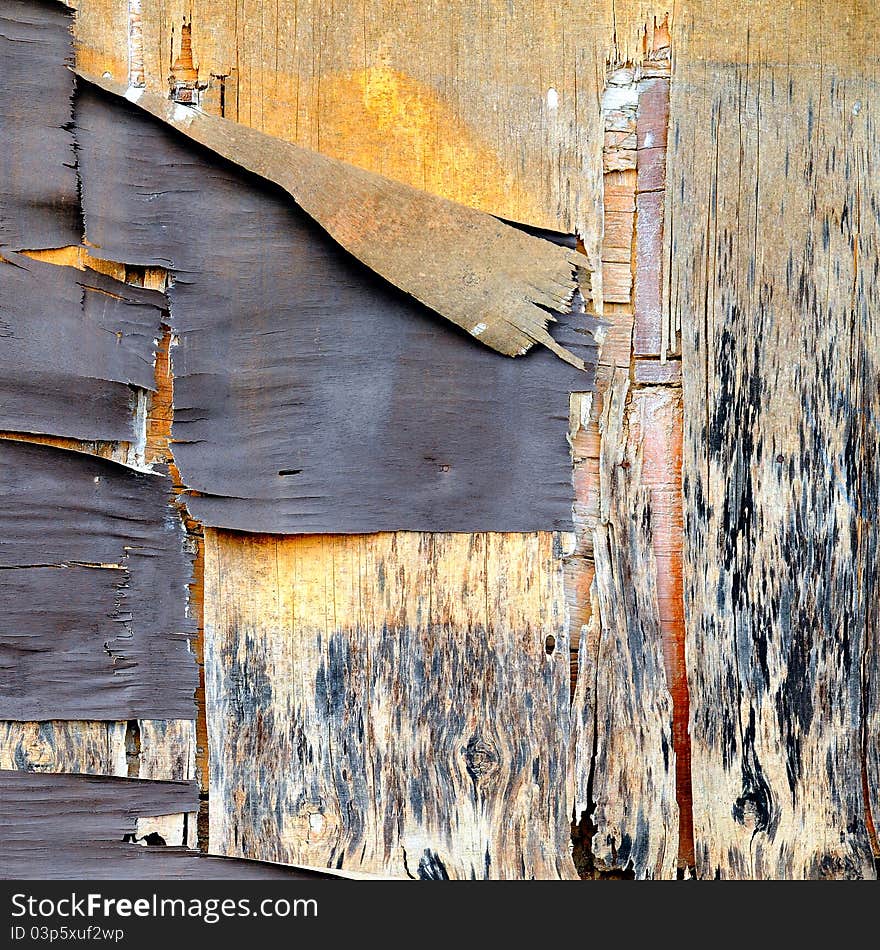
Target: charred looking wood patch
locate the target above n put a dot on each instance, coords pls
(293, 357)
(629, 713)
(774, 251)
(93, 578)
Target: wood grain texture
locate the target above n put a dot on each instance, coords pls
(88, 747)
(498, 283)
(150, 749)
(774, 253)
(624, 759)
(392, 703)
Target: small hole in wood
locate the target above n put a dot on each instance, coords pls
(290, 471)
(550, 644)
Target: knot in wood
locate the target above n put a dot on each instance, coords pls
(481, 760)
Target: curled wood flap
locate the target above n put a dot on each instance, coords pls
(496, 282)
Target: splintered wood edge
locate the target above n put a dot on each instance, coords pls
(548, 276)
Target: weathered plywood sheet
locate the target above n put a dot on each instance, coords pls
(275, 323)
(57, 827)
(393, 703)
(774, 263)
(94, 586)
(76, 347)
(38, 188)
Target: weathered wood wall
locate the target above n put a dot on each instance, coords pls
(764, 310)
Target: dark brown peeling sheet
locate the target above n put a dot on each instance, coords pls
(310, 395)
(74, 346)
(56, 827)
(39, 206)
(93, 582)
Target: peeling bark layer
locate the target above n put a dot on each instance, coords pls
(395, 703)
(275, 322)
(39, 206)
(774, 283)
(494, 110)
(94, 576)
(76, 347)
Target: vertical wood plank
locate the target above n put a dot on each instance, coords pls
(773, 282)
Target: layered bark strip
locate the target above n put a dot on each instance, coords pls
(627, 713)
(774, 254)
(395, 704)
(57, 827)
(309, 395)
(39, 206)
(93, 578)
(77, 346)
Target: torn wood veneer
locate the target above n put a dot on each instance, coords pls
(57, 827)
(97, 547)
(78, 351)
(497, 283)
(39, 206)
(310, 396)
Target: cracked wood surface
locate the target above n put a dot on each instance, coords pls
(494, 106)
(780, 347)
(39, 206)
(497, 283)
(393, 703)
(629, 747)
(773, 283)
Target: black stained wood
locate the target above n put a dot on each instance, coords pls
(93, 582)
(774, 280)
(39, 206)
(311, 396)
(73, 347)
(63, 827)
